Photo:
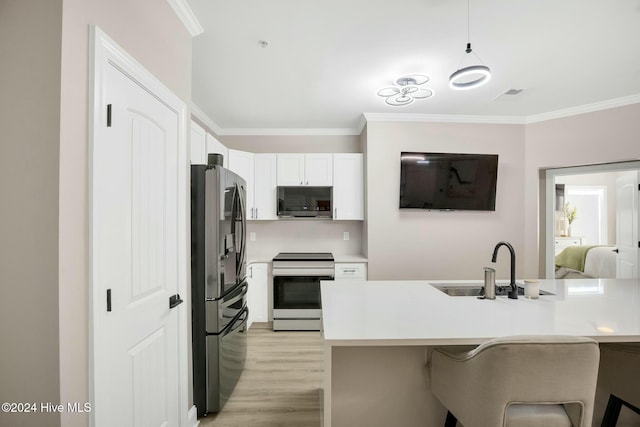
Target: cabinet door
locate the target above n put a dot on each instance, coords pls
(257, 293)
(241, 162)
(215, 146)
(318, 169)
(265, 188)
(198, 145)
(290, 169)
(348, 183)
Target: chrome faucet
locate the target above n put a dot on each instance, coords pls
(513, 293)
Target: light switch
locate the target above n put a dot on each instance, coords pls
(252, 236)
(345, 235)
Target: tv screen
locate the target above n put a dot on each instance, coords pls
(448, 181)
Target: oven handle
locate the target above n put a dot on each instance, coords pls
(229, 329)
(304, 272)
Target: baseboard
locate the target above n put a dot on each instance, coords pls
(193, 417)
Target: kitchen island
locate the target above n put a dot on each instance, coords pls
(378, 336)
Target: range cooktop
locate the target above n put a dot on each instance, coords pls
(304, 256)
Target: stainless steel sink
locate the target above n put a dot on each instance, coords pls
(456, 290)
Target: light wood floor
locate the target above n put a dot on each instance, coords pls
(281, 383)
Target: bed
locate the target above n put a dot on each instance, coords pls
(586, 262)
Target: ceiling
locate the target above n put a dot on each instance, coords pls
(326, 59)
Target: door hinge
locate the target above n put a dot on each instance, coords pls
(108, 115)
(108, 299)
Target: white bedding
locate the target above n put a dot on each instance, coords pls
(600, 262)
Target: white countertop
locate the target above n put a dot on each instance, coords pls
(415, 313)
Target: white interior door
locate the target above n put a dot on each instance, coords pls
(135, 258)
(627, 225)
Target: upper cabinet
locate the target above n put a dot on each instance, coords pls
(348, 186)
(265, 186)
(305, 169)
(259, 171)
(198, 144)
(215, 147)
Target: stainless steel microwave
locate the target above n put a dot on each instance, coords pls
(305, 202)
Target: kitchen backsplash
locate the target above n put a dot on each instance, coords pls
(303, 236)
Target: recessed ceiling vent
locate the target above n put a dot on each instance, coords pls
(509, 94)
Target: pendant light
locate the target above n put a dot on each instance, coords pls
(471, 76)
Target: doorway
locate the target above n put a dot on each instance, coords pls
(138, 245)
(592, 191)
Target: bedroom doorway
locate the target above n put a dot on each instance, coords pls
(592, 191)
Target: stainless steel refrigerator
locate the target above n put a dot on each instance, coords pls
(218, 283)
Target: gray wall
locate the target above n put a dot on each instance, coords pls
(593, 138)
(293, 143)
(418, 244)
(30, 38)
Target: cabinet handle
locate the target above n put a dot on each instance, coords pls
(349, 270)
(251, 213)
(300, 182)
(251, 272)
(256, 213)
(335, 213)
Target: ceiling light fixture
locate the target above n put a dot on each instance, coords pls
(406, 90)
(471, 76)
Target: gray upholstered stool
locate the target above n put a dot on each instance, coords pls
(532, 381)
(619, 384)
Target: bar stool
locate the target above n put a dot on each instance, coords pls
(619, 384)
(532, 381)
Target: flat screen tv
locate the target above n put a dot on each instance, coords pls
(448, 181)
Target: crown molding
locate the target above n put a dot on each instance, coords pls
(582, 109)
(293, 132)
(441, 118)
(186, 15)
(206, 120)
(406, 117)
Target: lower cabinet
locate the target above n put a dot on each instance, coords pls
(352, 270)
(257, 294)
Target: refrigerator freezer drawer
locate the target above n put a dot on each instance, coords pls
(226, 355)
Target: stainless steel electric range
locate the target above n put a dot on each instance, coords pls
(296, 289)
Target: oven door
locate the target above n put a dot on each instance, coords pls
(297, 292)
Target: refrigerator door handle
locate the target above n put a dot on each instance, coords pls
(242, 316)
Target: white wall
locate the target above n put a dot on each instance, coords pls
(600, 137)
(607, 180)
(30, 38)
(273, 237)
(408, 244)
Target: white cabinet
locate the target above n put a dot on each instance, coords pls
(216, 147)
(265, 187)
(352, 270)
(565, 242)
(257, 293)
(259, 170)
(198, 145)
(314, 169)
(348, 186)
